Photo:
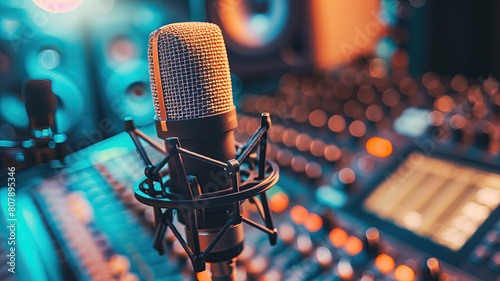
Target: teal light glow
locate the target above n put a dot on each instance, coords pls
(259, 23)
(20, 157)
(385, 48)
(133, 97)
(331, 197)
(149, 16)
(49, 58)
(272, 23)
(13, 110)
(10, 25)
(389, 11)
(60, 138)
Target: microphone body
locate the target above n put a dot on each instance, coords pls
(41, 107)
(191, 89)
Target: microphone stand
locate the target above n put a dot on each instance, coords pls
(223, 271)
(257, 175)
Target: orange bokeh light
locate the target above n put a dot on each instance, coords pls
(338, 237)
(353, 245)
(299, 214)
(278, 202)
(313, 223)
(404, 273)
(384, 263)
(379, 147)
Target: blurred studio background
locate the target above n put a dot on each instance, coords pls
(386, 116)
(95, 51)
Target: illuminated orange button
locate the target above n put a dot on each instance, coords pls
(404, 273)
(278, 202)
(353, 245)
(313, 222)
(299, 214)
(384, 263)
(338, 237)
(379, 147)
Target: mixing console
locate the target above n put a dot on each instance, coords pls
(382, 178)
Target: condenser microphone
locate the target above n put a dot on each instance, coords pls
(41, 107)
(191, 89)
(208, 177)
(45, 144)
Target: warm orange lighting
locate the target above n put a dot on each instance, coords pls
(272, 275)
(317, 118)
(300, 113)
(400, 60)
(357, 129)
(313, 170)
(408, 86)
(384, 263)
(232, 14)
(444, 104)
(203, 276)
(278, 202)
(344, 269)
(317, 147)
(344, 30)
(379, 147)
(378, 68)
(336, 123)
(58, 6)
(436, 118)
(332, 152)
(338, 237)
(347, 176)
(119, 264)
(374, 113)
(299, 214)
(257, 265)
(457, 121)
(459, 83)
(353, 109)
(404, 273)
(313, 223)
(353, 245)
(303, 142)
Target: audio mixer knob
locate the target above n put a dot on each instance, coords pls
(371, 240)
(431, 270)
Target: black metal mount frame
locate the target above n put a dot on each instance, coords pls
(251, 177)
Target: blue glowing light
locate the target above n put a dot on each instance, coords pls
(259, 23)
(60, 138)
(413, 122)
(331, 197)
(13, 110)
(10, 25)
(385, 48)
(20, 157)
(133, 97)
(49, 58)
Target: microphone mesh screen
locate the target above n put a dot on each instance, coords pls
(194, 71)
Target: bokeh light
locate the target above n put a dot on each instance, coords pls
(58, 6)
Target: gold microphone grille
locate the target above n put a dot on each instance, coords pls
(194, 70)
